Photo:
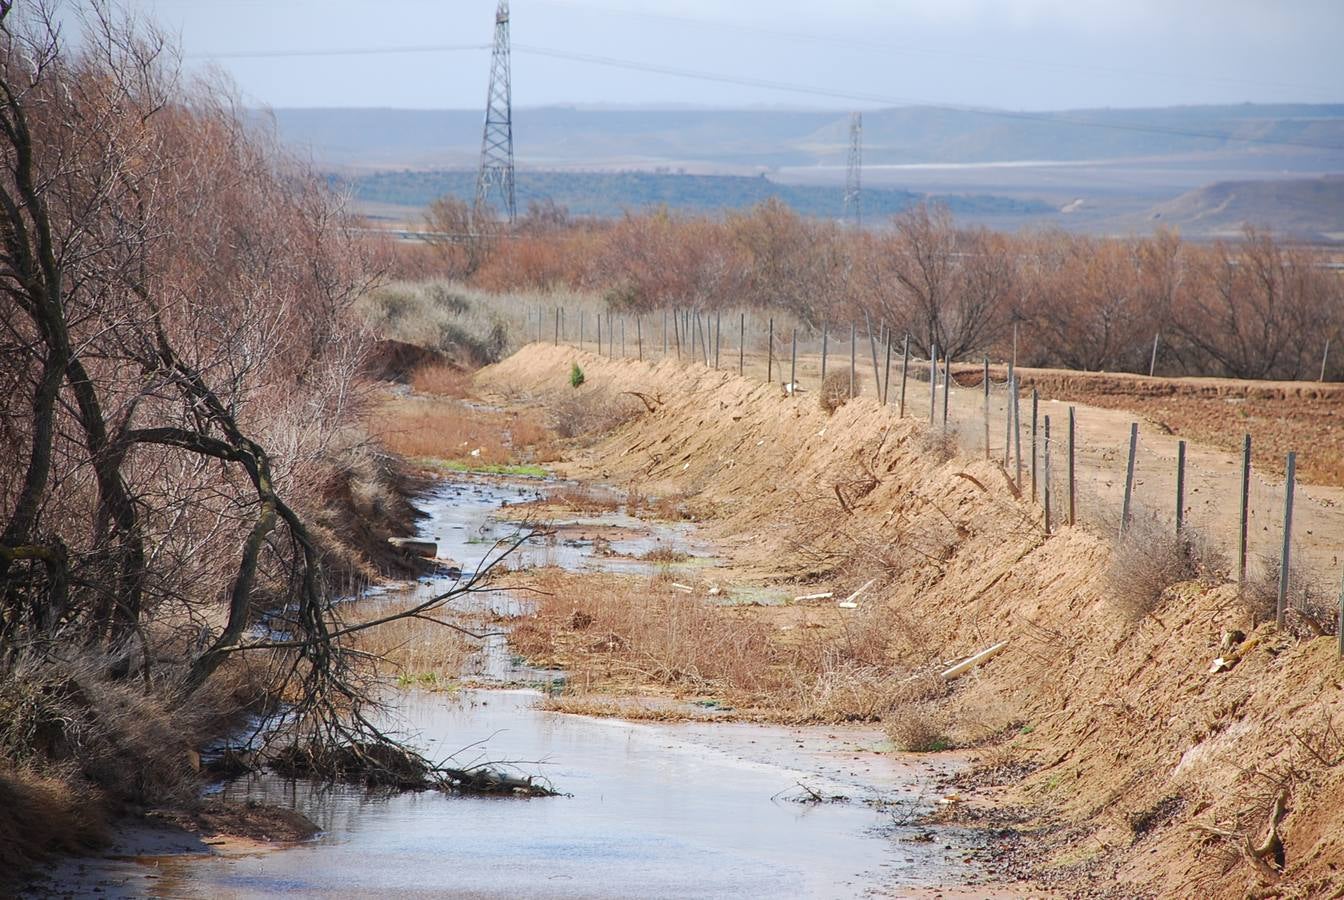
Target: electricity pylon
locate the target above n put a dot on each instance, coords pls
(496, 172)
(853, 193)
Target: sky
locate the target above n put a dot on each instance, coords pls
(834, 54)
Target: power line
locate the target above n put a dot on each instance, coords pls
(888, 47)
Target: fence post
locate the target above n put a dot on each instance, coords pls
(986, 408)
(639, 337)
(1013, 363)
(872, 347)
(718, 335)
(1180, 487)
(1339, 622)
(1245, 509)
(1281, 608)
(622, 337)
(886, 380)
(905, 372)
(1017, 430)
(1035, 408)
(1071, 470)
(853, 349)
(1129, 476)
(664, 332)
(741, 343)
(1045, 491)
(541, 316)
(793, 365)
(947, 386)
(825, 341)
(1325, 356)
(611, 336)
(580, 329)
(933, 384)
(599, 334)
(1152, 363)
(676, 331)
(770, 353)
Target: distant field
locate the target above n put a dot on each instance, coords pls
(606, 194)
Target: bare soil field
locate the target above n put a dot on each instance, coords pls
(1183, 746)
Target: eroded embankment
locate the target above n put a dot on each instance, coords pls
(1142, 768)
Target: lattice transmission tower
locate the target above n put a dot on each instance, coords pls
(496, 173)
(853, 187)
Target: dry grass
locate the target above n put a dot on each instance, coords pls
(453, 430)
(420, 652)
(665, 555)
(442, 380)
(42, 814)
(584, 499)
(628, 635)
(917, 728)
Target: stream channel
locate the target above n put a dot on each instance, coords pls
(691, 809)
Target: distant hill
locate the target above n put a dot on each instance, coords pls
(1307, 208)
(606, 194)
(556, 137)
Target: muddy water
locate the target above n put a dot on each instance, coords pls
(652, 810)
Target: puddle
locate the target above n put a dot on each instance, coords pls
(657, 810)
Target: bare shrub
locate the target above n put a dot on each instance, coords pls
(835, 391)
(1148, 559)
(938, 444)
(1310, 605)
(584, 499)
(442, 379)
(587, 414)
(917, 728)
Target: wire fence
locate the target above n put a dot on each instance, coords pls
(1081, 465)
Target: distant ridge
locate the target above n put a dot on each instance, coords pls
(1305, 208)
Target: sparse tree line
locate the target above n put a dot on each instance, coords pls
(178, 399)
(1255, 307)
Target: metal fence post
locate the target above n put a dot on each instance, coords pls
(947, 386)
(933, 384)
(1245, 508)
(639, 337)
(905, 373)
(741, 343)
(718, 335)
(1017, 430)
(825, 340)
(1045, 491)
(793, 365)
(599, 334)
(853, 351)
(1035, 409)
(622, 337)
(770, 353)
(1285, 555)
(872, 348)
(1180, 487)
(1129, 476)
(1071, 470)
(886, 380)
(1152, 364)
(986, 408)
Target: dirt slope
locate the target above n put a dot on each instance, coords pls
(1135, 754)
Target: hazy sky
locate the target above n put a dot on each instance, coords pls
(1022, 54)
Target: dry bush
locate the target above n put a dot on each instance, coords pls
(439, 316)
(1311, 605)
(587, 414)
(835, 391)
(585, 499)
(665, 555)
(442, 379)
(1148, 559)
(917, 728)
(938, 444)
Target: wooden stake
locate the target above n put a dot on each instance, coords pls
(1285, 555)
(1129, 476)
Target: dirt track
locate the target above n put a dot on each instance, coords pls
(1120, 736)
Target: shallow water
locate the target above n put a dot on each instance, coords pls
(657, 810)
